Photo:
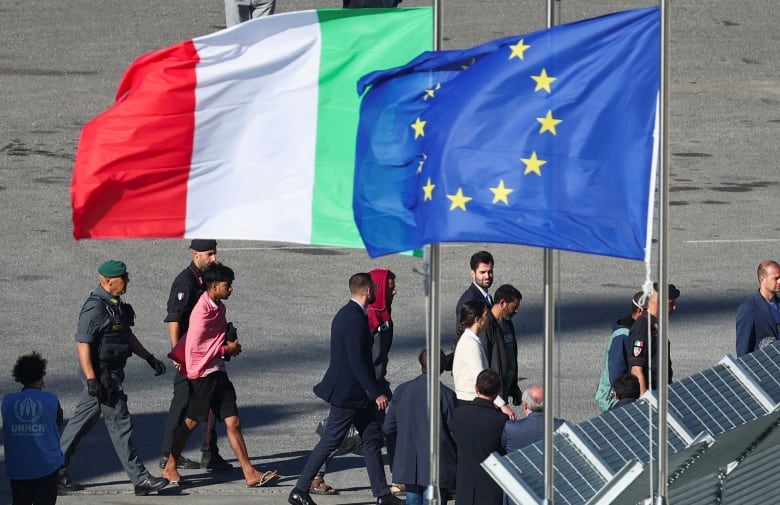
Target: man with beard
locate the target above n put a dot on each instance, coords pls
(501, 341)
(481, 279)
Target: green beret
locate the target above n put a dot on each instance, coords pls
(112, 268)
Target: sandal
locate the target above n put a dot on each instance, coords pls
(318, 486)
(265, 479)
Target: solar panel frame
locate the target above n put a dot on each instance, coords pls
(714, 400)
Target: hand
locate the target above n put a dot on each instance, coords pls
(509, 412)
(232, 348)
(381, 402)
(159, 366)
(96, 390)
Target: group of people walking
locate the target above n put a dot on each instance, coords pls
(475, 421)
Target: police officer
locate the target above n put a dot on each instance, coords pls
(185, 291)
(104, 341)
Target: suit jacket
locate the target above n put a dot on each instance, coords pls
(478, 428)
(526, 431)
(349, 381)
(471, 293)
(754, 323)
(407, 416)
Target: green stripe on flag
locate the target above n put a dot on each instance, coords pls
(354, 43)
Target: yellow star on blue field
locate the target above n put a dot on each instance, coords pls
(548, 123)
(459, 200)
(421, 163)
(419, 128)
(431, 93)
(501, 193)
(518, 49)
(428, 190)
(533, 164)
(466, 66)
(543, 81)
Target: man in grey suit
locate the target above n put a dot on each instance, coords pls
(758, 318)
(351, 389)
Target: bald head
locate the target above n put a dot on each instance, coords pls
(533, 398)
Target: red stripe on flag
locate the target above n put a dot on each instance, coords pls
(133, 160)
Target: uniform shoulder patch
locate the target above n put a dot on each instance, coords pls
(639, 346)
(180, 295)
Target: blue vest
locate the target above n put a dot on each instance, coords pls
(32, 437)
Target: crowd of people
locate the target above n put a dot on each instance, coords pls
(476, 419)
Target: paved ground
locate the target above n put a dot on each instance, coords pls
(59, 66)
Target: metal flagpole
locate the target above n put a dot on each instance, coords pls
(433, 330)
(432, 493)
(553, 13)
(663, 254)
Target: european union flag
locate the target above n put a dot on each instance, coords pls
(544, 139)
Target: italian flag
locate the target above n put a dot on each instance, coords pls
(247, 133)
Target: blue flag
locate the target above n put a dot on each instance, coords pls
(544, 139)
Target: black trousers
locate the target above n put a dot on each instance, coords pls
(178, 411)
(40, 491)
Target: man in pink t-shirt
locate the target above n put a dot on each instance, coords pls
(206, 349)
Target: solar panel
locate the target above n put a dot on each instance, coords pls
(576, 478)
(714, 401)
(620, 436)
(764, 367)
(727, 413)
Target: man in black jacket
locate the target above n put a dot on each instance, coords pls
(501, 341)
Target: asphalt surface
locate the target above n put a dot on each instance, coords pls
(59, 66)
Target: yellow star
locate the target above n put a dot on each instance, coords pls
(428, 190)
(430, 93)
(533, 164)
(548, 123)
(465, 67)
(501, 192)
(419, 128)
(543, 81)
(458, 200)
(518, 50)
(421, 163)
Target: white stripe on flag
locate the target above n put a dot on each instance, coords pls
(255, 130)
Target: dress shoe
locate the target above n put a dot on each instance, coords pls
(150, 485)
(213, 462)
(298, 497)
(389, 499)
(182, 463)
(65, 485)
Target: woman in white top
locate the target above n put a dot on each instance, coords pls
(470, 357)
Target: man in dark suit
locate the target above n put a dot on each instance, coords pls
(478, 427)
(481, 279)
(407, 418)
(758, 318)
(530, 429)
(351, 389)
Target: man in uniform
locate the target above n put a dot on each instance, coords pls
(104, 342)
(638, 340)
(185, 291)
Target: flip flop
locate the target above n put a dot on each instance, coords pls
(318, 486)
(265, 479)
(180, 482)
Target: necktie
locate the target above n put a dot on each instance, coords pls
(489, 300)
